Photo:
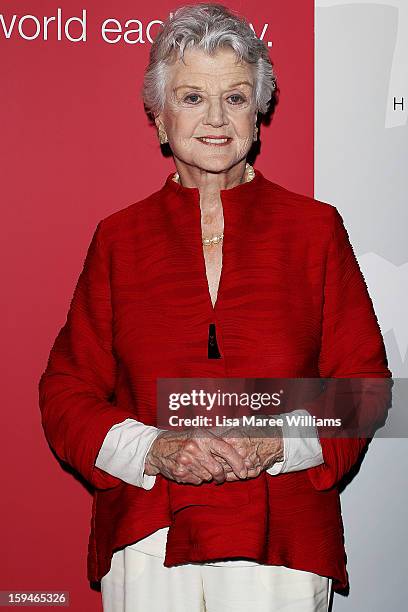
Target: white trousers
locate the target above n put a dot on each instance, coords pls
(139, 582)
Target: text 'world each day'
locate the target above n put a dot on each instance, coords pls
(74, 28)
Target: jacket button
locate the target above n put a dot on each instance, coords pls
(213, 350)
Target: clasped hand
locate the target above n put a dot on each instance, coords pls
(198, 455)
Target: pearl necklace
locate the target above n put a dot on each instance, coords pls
(248, 176)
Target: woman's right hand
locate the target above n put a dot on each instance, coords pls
(190, 457)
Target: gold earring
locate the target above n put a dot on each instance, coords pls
(162, 136)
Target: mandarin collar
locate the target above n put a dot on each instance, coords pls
(243, 192)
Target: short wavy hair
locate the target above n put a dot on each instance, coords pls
(207, 27)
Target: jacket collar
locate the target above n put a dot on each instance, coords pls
(242, 193)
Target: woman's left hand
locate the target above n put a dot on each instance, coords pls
(260, 451)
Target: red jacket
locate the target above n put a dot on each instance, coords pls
(292, 302)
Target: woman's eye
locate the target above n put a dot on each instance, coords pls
(237, 99)
(193, 98)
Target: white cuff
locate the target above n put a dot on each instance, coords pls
(124, 451)
(301, 445)
(148, 481)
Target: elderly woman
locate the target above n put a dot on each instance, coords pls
(220, 273)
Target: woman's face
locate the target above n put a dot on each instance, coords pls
(209, 96)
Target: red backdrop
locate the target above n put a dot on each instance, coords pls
(75, 146)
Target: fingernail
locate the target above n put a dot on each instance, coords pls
(243, 473)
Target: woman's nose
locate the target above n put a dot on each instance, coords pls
(215, 112)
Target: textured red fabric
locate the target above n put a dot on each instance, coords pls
(292, 302)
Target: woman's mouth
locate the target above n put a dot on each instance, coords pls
(218, 141)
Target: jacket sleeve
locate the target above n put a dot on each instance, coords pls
(351, 347)
(76, 388)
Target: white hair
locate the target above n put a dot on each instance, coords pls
(207, 27)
